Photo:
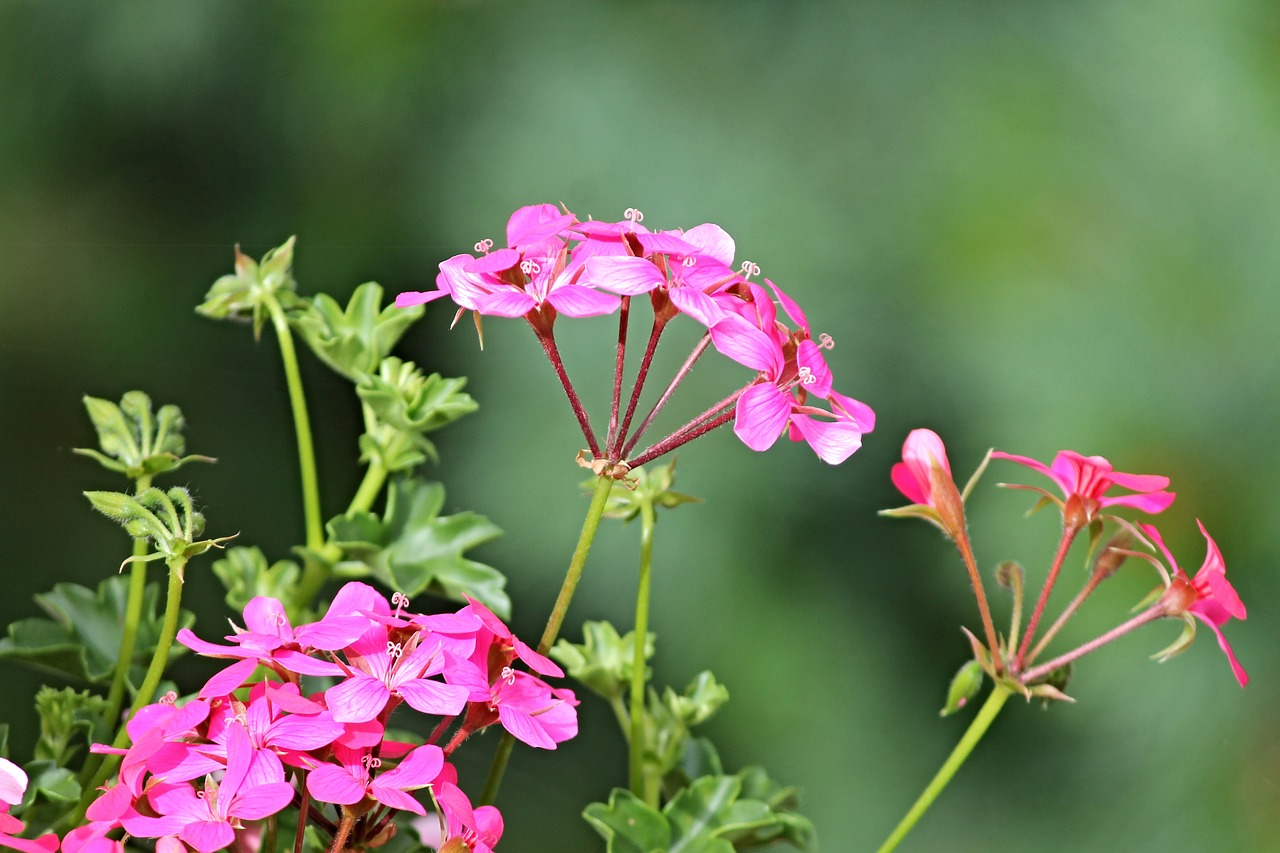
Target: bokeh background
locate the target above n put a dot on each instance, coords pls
(1028, 226)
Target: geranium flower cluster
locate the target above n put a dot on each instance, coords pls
(1084, 495)
(200, 774)
(555, 264)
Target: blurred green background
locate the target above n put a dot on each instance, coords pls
(1028, 226)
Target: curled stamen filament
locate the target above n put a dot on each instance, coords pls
(634, 215)
(806, 377)
(508, 675)
(825, 341)
(394, 649)
(530, 267)
(749, 269)
(484, 245)
(689, 260)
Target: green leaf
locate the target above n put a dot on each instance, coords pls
(355, 341)
(628, 825)
(413, 549)
(245, 575)
(82, 639)
(603, 662)
(700, 811)
(50, 781)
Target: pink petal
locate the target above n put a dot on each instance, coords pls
(622, 274)
(432, 697)
(666, 243)
(229, 680)
(536, 222)
(739, 340)
(261, 801)
(833, 441)
(409, 298)
(508, 302)
(574, 300)
(712, 240)
(1241, 675)
(697, 305)
(332, 784)
(208, 836)
(358, 699)
(761, 415)
(1152, 503)
(13, 782)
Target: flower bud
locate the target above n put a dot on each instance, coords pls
(1112, 556)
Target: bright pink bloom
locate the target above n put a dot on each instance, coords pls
(385, 669)
(207, 821)
(533, 711)
(480, 829)
(351, 781)
(913, 475)
(1091, 477)
(1216, 601)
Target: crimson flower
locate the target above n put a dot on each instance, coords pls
(1215, 601)
(1089, 478)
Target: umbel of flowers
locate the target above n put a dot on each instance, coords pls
(555, 264)
(253, 742)
(1087, 492)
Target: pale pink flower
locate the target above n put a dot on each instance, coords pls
(914, 474)
(1215, 602)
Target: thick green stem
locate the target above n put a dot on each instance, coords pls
(590, 525)
(160, 658)
(987, 714)
(314, 573)
(643, 784)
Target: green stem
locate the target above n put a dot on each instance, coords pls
(159, 659)
(987, 714)
(643, 784)
(590, 525)
(128, 638)
(375, 477)
(314, 573)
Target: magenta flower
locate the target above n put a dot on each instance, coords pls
(1089, 478)
(533, 711)
(479, 829)
(351, 780)
(208, 820)
(385, 669)
(1215, 601)
(914, 474)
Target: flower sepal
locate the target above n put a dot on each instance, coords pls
(1185, 638)
(247, 293)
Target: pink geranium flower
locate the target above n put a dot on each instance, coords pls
(1089, 478)
(479, 829)
(914, 474)
(1215, 601)
(351, 780)
(207, 820)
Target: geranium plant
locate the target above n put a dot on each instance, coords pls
(356, 667)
